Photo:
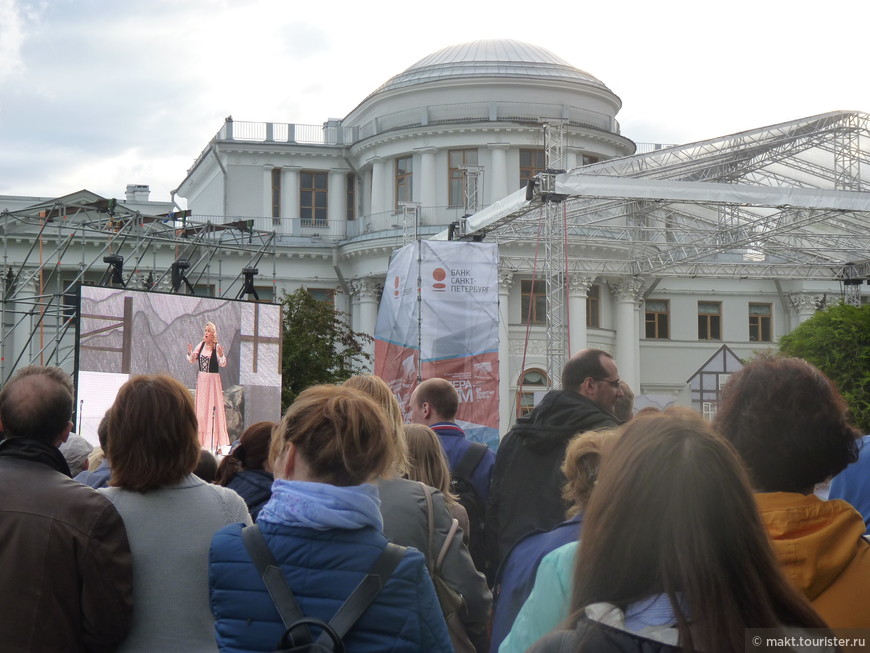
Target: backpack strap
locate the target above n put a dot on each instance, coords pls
(282, 596)
(349, 611)
(430, 521)
(470, 460)
(361, 598)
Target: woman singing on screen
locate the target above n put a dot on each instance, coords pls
(210, 411)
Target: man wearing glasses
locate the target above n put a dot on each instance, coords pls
(526, 490)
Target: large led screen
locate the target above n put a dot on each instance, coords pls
(126, 332)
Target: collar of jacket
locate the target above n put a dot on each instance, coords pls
(34, 451)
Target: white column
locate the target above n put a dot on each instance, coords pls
(337, 203)
(578, 287)
(428, 196)
(505, 403)
(498, 174)
(571, 158)
(627, 293)
(290, 200)
(366, 291)
(378, 199)
(266, 211)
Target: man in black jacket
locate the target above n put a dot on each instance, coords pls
(66, 574)
(526, 490)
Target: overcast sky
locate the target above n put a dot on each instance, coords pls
(97, 94)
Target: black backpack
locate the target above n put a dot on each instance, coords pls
(297, 636)
(460, 485)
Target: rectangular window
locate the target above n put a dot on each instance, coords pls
(404, 179)
(313, 187)
(276, 193)
(759, 323)
(531, 163)
(351, 196)
(657, 318)
(533, 302)
(709, 320)
(589, 160)
(593, 306)
(456, 175)
(326, 295)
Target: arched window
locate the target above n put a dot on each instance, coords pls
(532, 382)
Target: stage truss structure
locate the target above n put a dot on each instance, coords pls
(787, 201)
(51, 247)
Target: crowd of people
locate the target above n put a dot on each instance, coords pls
(591, 528)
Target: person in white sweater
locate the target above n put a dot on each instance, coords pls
(170, 514)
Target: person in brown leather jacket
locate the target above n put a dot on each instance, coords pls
(66, 579)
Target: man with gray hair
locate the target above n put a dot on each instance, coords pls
(66, 574)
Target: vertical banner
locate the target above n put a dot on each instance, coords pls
(449, 329)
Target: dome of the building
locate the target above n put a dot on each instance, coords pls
(491, 58)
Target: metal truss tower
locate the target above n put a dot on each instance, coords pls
(554, 248)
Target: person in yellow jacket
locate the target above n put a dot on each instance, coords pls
(790, 425)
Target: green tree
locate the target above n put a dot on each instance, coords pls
(837, 341)
(318, 345)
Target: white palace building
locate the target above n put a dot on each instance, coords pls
(679, 260)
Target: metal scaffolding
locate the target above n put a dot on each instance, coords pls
(53, 246)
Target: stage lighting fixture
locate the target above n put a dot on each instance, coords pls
(248, 287)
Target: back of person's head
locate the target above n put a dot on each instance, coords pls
(788, 422)
(427, 462)
(342, 434)
(670, 478)
(206, 467)
(583, 457)
(37, 403)
(376, 388)
(251, 452)
(152, 433)
(103, 431)
(441, 395)
(582, 366)
(623, 409)
(77, 451)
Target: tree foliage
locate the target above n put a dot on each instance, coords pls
(318, 345)
(837, 341)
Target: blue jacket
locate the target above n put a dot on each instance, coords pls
(516, 576)
(853, 483)
(455, 445)
(97, 478)
(254, 486)
(322, 568)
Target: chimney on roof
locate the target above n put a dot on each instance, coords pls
(138, 192)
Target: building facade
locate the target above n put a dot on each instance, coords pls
(459, 132)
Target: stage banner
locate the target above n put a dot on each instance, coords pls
(448, 327)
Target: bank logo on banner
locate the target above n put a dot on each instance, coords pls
(439, 275)
(451, 334)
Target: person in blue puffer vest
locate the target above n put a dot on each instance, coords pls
(323, 525)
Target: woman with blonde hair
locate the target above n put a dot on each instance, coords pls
(210, 412)
(324, 528)
(169, 513)
(428, 464)
(405, 506)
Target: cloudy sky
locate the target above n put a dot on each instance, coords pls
(97, 94)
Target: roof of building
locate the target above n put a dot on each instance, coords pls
(489, 58)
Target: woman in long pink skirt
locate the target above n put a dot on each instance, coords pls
(210, 412)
